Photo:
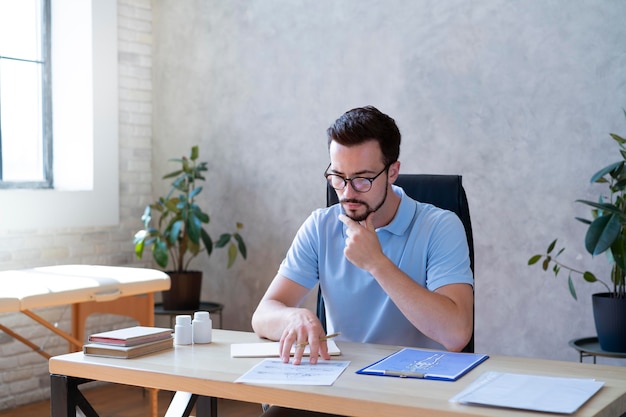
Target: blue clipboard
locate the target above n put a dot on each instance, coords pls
(425, 364)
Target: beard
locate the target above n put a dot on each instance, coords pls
(368, 209)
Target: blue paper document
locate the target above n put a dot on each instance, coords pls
(426, 364)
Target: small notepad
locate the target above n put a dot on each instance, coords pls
(270, 349)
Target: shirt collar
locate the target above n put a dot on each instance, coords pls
(404, 215)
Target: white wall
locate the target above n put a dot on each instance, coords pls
(518, 97)
(24, 376)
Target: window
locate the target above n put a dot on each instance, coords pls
(84, 123)
(25, 94)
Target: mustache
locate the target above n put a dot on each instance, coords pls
(351, 200)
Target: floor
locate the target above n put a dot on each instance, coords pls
(131, 402)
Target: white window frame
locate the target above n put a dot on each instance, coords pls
(85, 125)
(45, 116)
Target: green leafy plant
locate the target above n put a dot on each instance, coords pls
(606, 231)
(179, 234)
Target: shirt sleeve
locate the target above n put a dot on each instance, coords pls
(301, 262)
(448, 253)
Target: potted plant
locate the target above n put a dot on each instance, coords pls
(606, 233)
(178, 234)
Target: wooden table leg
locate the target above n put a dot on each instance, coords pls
(154, 401)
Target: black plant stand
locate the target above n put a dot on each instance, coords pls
(590, 347)
(211, 307)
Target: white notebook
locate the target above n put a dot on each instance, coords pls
(270, 349)
(529, 392)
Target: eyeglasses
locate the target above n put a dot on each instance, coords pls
(359, 184)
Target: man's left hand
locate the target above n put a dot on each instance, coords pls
(362, 245)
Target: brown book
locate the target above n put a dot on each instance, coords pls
(131, 336)
(127, 352)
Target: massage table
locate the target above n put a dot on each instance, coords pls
(89, 289)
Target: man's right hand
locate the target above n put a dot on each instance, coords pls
(303, 329)
(278, 317)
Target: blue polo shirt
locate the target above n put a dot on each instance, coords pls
(427, 243)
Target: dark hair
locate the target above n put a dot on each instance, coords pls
(362, 124)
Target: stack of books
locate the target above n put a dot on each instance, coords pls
(129, 342)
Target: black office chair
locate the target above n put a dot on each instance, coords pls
(444, 191)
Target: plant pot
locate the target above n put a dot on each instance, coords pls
(184, 292)
(609, 314)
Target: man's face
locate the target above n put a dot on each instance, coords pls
(364, 161)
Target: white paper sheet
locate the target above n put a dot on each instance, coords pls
(274, 371)
(529, 392)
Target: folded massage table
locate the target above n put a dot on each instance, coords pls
(89, 289)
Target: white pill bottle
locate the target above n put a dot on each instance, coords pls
(202, 327)
(182, 330)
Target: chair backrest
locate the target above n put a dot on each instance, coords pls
(444, 191)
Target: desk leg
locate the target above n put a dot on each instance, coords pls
(206, 407)
(183, 402)
(65, 397)
(181, 405)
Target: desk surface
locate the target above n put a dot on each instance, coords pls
(209, 370)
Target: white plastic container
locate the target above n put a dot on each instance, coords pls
(182, 330)
(202, 327)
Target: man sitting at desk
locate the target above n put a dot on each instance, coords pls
(392, 270)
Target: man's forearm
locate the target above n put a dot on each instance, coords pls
(444, 316)
(267, 320)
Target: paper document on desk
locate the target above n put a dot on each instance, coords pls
(274, 371)
(270, 349)
(529, 392)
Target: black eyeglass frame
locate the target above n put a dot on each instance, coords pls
(350, 180)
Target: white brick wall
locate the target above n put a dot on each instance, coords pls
(23, 373)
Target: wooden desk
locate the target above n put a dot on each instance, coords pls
(208, 370)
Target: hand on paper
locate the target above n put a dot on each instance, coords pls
(303, 329)
(278, 317)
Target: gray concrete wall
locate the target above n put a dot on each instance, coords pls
(518, 97)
